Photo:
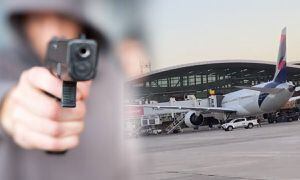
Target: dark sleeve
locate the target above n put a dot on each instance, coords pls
(12, 64)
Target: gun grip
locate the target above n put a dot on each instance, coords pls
(69, 94)
(68, 100)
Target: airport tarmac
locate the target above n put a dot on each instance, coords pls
(268, 153)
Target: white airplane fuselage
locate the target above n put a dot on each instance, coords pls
(250, 102)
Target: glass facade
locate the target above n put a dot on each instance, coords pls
(175, 81)
(197, 80)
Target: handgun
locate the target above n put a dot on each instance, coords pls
(71, 61)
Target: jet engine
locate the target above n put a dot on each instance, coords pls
(193, 120)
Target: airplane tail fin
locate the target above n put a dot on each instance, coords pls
(281, 74)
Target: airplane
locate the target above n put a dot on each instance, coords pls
(249, 101)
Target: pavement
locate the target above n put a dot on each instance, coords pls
(271, 152)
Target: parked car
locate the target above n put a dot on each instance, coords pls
(240, 123)
(284, 116)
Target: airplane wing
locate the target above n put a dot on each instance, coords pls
(264, 90)
(201, 109)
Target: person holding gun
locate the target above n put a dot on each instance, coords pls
(32, 120)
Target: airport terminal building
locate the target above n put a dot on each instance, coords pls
(221, 76)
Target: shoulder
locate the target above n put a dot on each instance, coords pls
(12, 63)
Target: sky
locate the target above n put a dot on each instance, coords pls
(186, 31)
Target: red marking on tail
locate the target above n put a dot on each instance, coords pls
(283, 37)
(281, 64)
